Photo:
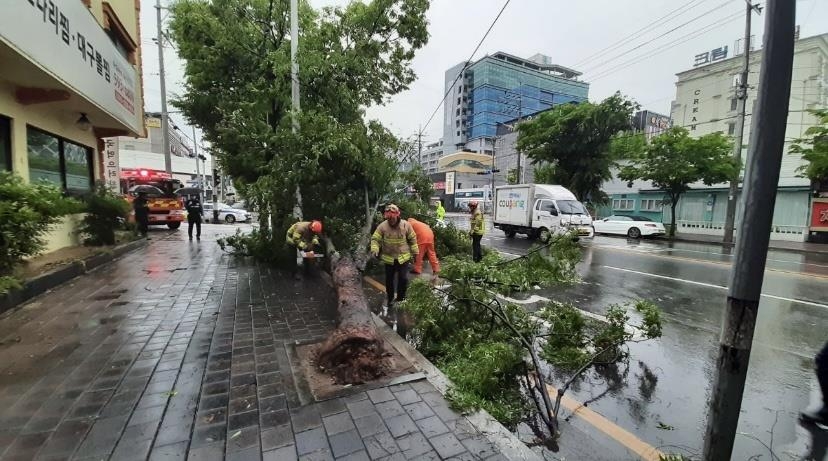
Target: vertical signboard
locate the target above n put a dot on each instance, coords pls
(450, 183)
(112, 170)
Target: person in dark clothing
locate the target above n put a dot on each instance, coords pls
(194, 211)
(819, 414)
(141, 207)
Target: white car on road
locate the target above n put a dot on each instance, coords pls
(631, 226)
(227, 213)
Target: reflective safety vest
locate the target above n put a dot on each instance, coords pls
(301, 236)
(478, 227)
(394, 243)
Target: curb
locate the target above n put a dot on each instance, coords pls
(770, 247)
(54, 278)
(507, 443)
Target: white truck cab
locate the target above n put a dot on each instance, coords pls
(539, 211)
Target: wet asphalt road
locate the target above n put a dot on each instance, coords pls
(661, 394)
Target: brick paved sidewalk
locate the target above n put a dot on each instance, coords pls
(178, 351)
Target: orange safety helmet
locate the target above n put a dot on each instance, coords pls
(316, 227)
(473, 204)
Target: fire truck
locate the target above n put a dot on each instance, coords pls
(165, 207)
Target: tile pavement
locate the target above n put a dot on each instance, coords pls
(178, 351)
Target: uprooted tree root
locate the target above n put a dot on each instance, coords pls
(353, 353)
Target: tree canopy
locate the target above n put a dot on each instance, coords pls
(575, 138)
(237, 89)
(674, 160)
(814, 148)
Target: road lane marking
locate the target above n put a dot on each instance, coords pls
(631, 442)
(704, 261)
(648, 249)
(720, 287)
(625, 438)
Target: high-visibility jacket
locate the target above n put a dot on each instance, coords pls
(478, 227)
(394, 243)
(441, 212)
(422, 230)
(301, 236)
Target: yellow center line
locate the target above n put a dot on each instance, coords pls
(645, 451)
(371, 281)
(630, 441)
(703, 261)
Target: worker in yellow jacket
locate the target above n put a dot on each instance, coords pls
(395, 243)
(304, 235)
(478, 228)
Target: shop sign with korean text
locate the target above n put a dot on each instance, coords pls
(112, 168)
(68, 43)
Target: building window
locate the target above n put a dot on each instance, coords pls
(733, 103)
(458, 133)
(5, 144)
(731, 128)
(458, 101)
(457, 112)
(58, 161)
(623, 204)
(650, 205)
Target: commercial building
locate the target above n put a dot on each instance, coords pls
(650, 123)
(706, 103)
(69, 77)
(498, 88)
(431, 154)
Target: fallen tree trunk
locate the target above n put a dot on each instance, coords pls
(353, 353)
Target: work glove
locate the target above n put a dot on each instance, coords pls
(375, 254)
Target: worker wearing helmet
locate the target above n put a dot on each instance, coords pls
(477, 230)
(304, 235)
(394, 242)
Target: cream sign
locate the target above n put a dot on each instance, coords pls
(64, 39)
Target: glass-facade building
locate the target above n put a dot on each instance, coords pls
(500, 88)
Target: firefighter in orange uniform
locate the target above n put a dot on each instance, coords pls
(425, 240)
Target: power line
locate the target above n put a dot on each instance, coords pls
(668, 46)
(666, 18)
(606, 61)
(465, 66)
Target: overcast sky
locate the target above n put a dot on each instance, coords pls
(568, 31)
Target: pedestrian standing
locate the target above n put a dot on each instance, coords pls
(394, 242)
(440, 212)
(425, 242)
(819, 414)
(140, 207)
(194, 212)
(477, 230)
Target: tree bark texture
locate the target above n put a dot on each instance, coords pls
(353, 353)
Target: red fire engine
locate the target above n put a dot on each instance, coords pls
(165, 207)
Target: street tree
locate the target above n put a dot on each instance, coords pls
(575, 138)
(814, 149)
(674, 160)
(627, 145)
(545, 173)
(512, 176)
(237, 89)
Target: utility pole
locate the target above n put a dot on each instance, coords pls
(165, 117)
(198, 175)
(761, 180)
(294, 87)
(420, 146)
(738, 135)
(494, 167)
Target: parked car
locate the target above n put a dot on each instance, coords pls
(227, 213)
(631, 226)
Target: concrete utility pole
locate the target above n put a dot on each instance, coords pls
(215, 193)
(165, 117)
(198, 178)
(420, 146)
(738, 135)
(294, 87)
(494, 167)
(761, 180)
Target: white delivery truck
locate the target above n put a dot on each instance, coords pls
(539, 211)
